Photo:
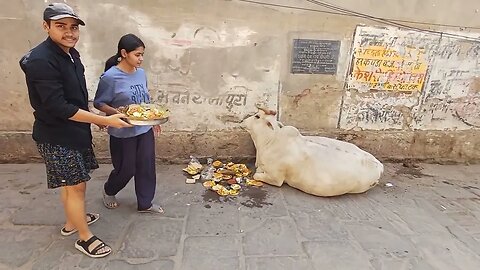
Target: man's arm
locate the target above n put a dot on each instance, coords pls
(88, 117)
(47, 82)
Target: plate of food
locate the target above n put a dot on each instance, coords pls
(145, 114)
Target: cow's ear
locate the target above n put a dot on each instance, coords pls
(272, 123)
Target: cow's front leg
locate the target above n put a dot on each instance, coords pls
(258, 166)
(257, 157)
(264, 177)
(259, 170)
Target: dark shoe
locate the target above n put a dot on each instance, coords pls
(92, 247)
(93, 218)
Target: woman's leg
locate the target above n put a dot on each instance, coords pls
(122, 152)
(145, 177)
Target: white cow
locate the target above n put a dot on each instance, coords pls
(316, 165)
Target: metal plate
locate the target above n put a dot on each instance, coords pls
(147, 122)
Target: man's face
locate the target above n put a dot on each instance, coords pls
(64, 32)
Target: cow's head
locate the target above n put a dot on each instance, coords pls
(263, 123)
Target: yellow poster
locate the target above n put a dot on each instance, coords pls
(381, 68)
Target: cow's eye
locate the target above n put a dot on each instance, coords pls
(257, 116)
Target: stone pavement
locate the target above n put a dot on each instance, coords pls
(418, 218)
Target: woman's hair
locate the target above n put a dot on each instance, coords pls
(128, 42)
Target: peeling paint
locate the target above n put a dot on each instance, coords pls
(468, 111)
(451, 88)
(453, 71)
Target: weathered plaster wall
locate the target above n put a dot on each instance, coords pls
(211, 61)
(411, 80)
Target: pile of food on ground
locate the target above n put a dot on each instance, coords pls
(223, 178)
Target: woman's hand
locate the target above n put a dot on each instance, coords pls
(102, 127)
(157, 130)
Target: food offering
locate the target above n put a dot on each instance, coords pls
(145, 114)
(193, 168)
(225, 179)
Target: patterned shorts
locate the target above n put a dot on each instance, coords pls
(66, 166)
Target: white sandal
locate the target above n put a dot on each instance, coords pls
(110, 202)
(155, 209)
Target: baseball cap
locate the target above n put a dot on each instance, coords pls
(57, 11)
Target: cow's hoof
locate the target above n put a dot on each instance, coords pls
(258, 175)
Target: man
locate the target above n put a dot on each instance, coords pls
(58, 94)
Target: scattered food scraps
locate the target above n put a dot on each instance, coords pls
(226, 179)
(194, 167)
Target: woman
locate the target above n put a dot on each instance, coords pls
(132, 149)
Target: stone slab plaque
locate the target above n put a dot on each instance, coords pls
(312, 56)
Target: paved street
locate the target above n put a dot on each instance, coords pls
(417, 218)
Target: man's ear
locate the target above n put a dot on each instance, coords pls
(46, 27)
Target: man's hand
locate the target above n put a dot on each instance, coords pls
(115, 121)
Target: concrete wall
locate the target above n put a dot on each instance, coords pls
(212, 61)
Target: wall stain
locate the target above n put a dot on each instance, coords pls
(208, 29)
(475, 85)
(297, 98)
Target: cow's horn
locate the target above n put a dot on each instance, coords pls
(267, 111)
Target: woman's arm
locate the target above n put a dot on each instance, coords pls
(105, 95)
(108, 110)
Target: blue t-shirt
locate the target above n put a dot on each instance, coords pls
(117, 88)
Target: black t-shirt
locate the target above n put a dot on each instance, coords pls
(57, 89)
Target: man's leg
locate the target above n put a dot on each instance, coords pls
(75, 214)
(75, 211)
(74, 204)
(68, 224)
